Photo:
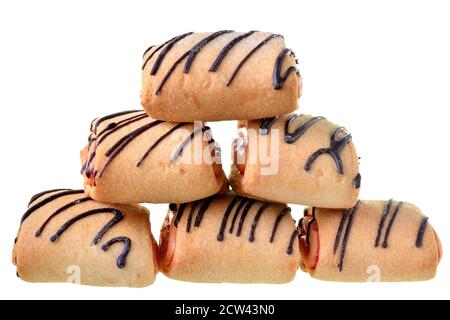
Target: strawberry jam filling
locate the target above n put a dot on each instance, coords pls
(310, 242)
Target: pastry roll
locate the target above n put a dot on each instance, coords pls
(132, 158)
(223, 75)
(296, 159)
(374, 241)
(231, 239)
(67, 237)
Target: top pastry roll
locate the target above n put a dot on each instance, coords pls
(223, 75)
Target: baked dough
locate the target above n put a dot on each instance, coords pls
(132, 158)
(374, 241)
(296, 159)
(220, 76)
(230, 239)
(65, 236)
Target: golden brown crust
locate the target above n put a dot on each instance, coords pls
(196, 174)
(38, 259)
(204, 95)
(396, 259)
(322, 185)
(199, 255)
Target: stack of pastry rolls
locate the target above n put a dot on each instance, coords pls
(166, 153)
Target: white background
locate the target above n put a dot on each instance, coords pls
(381, 68)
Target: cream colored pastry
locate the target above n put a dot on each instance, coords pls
(230, 239)
(296, 159)
(374, 241)
(67, 237)
(132, 158)
(220, 76)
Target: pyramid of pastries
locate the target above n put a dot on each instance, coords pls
(166, 154)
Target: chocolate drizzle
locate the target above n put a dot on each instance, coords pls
(125, 140)
(202, 212)
(294, 238)
(111, 116)
(237, 204)
(122, 143)
(118, 216)
(278, 78)
(386, 211)
(147, 51)
(247, 208)
(122, 259)
(44, 193)
(180, 213)
(263, 207)
(176, 39)
(191, 55)
(47, 201)
(391, 224)
(357, 181)
(280, 217)
(195, 50)
(165, 51)
(191, 216)
(164, 136)
(265, 125)
(215, 66)
(347, 217)
(421, 232)
(291, 137)
(59, 211)
(220, 236)
(241, 205)
(335, 149)
(250, 54)
(186, 142)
